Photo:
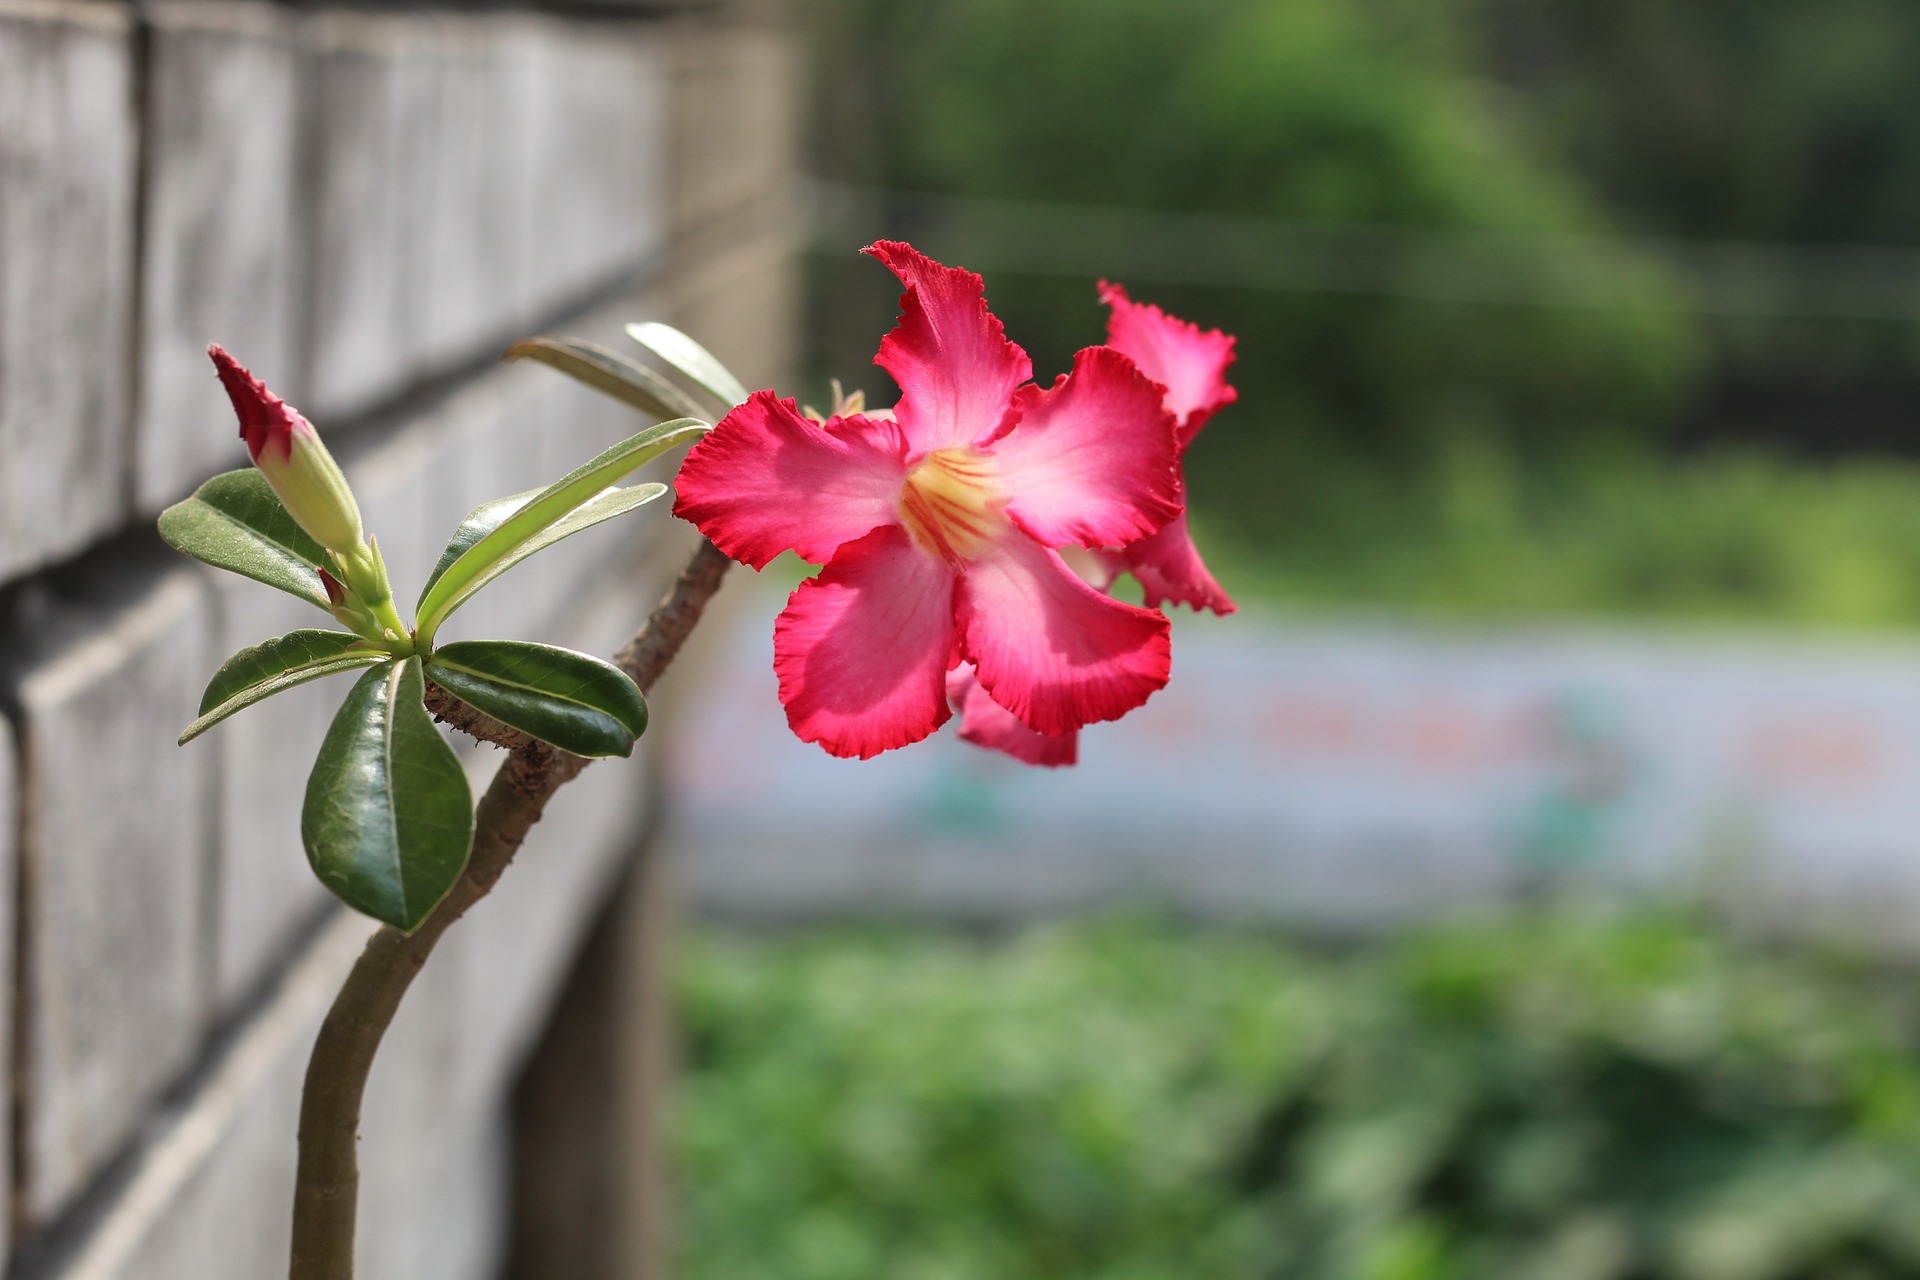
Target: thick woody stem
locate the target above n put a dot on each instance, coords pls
(449, 710)
(326, 1194)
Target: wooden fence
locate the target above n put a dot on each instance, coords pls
(366, 206)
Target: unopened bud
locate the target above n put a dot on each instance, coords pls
(350, 610)
(290, 455)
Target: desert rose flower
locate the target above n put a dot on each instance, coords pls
(1191, 364)
(1191, 367)
(985, 723)
(288, 452)
(940, 530)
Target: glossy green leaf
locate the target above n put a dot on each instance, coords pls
(610, 373)
(575, 702)
(488, 516)
(477, 524)
(476, 566)
(388, 821)
(690, 358)
(262, 670)
(235, 522)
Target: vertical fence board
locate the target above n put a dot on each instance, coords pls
(114, 874)
(219, 261)
(264, 890)
(9, 868)
(356, 72)
(734, 132)
(67, 161)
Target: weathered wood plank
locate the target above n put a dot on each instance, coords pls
(733, 120)
(463, 1233)
(219, 262)
(263, 890)
(206, 1192)
(113, 870)
(744, 305)
(365, 92)
(412, 1120)
(9, 867)
(470, 238)
(67, 171)
(590, 1187)
(600, 115)
(469, 174)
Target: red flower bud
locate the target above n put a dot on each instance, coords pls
(265, 419)
(290, 455)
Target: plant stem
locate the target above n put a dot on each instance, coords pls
(327, 1189)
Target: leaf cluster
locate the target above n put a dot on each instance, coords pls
(1564, 1094)
(388, 818)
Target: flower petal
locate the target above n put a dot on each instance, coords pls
(767, 480)
(985, 723)
(1191, 363)
(1097, 569)
(1168, 567)
(1050, 648)
(950, 355)
(1093, 460)
(862, 650)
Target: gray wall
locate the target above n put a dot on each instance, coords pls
(366, 207)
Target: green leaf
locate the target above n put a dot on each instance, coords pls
(488, 516)
(476, 566)
(388, 821)
(575, 702)
(264, 669)
(690, 358)
(235, 522)
(610, 373)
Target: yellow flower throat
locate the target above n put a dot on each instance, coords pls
(953, 503)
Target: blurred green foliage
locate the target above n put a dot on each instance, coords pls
(1560, 1096)
(1780, 121)
(1793, 120)
(1371, 417)
(1723, 537)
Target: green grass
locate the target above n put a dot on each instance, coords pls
(1567, 1096)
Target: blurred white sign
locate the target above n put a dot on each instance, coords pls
(1349, 774)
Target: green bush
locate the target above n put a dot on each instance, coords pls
(1566, 1096)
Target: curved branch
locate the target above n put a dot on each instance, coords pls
(327, 1190)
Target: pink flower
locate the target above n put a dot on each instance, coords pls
(941, 530)
(1191, 364)
(288, 452)
(985, 723)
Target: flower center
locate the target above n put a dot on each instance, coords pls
(952, 503)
